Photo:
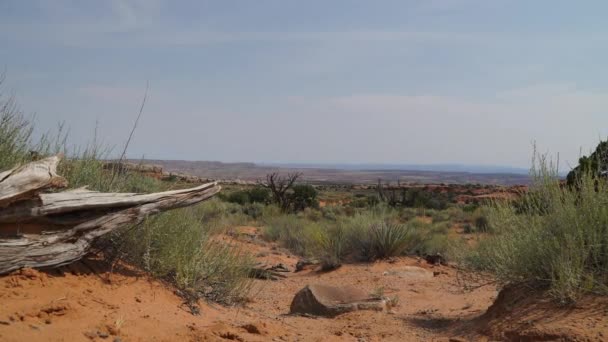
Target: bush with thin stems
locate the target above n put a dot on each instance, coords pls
(556, 237)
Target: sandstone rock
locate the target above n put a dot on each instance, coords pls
(323, 300)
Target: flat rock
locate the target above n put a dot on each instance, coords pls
(330, 301)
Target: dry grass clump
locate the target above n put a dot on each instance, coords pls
(367, 236)
(555, 237)
(179, 246)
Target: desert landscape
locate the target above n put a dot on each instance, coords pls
(278, 259)
(281, 170)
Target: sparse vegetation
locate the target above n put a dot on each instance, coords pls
(556, 237)
(178, 246)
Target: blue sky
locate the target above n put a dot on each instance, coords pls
(428, 81)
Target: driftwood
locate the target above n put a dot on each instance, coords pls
(54, 229)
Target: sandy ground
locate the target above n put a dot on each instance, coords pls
(86, 302)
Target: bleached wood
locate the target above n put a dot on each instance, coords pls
(83, 200)
(54, 229)
(24, 181)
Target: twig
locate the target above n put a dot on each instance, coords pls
(124, 151)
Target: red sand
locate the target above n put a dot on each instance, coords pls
(84, 303)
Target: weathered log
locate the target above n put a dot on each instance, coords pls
(81, 200)
(25, 181)
(58, 228)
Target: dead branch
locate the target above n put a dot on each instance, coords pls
(53, 229)
(279, 186)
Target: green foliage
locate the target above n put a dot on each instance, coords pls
(259, 195)
(561, 244)
(364, 236)
(239, 197)
(254, 210)
(255, 195)
(594, 165)
(389, 239)
(177, 246)
(15, 133)
(303, 196)
(482, 224)
(362, 201)
(329, 244)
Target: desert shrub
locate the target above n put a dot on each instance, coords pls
(458, 214)
(469, 208)
(407, 214)
(259, 195)
(372, 200)
(312, 214)
(594, 165)
(239, 197)
(439, 215)
(389, 239)
(269, 212)
(331, 213)
(359, 202)
(15, 132)
(329, 244)
(482, 224)
(419, 198)
(303, 196)
(290, 232)
(254, 210)
(376, 235)
(362, 201)
(177, 246)
(563, 246)
(434, 243)
(220, 215)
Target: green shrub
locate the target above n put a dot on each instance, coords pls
(254, 210)
(482, 224)
(303, 196)
(329, 244)
(290, 231)
(439, 215)
(239, 197)
(419, 198)
(15, 133)
(359, 203)
(177, 246)
(376, 235)
(331, 213)
(259, 195)
(561, 244)
(389, 239)
(595, 165)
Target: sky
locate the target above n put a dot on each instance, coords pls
(323, 81)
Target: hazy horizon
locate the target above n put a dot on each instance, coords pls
(425, 82)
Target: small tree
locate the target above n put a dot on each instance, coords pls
(304, 196)
(279, 186)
